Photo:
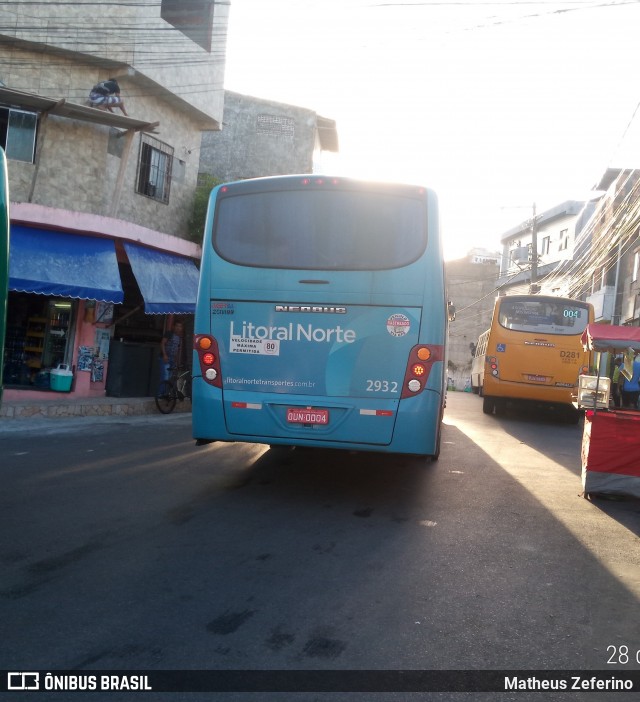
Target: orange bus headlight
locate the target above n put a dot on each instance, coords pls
(418, 369)
(204, 343)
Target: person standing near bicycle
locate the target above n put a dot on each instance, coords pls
(171, 349)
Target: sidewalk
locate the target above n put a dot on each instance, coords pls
(14, 411)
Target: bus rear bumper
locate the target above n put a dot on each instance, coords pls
(382, 425)
(543, 394)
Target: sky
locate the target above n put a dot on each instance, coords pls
(497, 106)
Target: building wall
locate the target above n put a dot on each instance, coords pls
(80, 161)
(609, 262)
(165, 59)
(560, 234)
(59, 51)
(259, 138)
(556, 233)
(472, 289)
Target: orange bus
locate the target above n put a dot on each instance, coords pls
(532, 353)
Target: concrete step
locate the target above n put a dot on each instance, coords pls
(61, 406)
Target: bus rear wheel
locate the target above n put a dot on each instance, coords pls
(488, 405)
(436, 453)
(572, 415)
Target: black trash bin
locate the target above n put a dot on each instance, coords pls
(130, 369)
(155, 371)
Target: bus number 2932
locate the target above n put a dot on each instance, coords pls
(382, 386)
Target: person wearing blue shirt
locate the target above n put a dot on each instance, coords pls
(171, 350)
(631, 388)
(616, 383)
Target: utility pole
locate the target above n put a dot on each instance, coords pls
(533, 286)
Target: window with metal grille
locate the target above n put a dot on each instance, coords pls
(154, 169)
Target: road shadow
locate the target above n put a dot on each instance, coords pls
(625, 510)
(235, 556)
(530, 425)
(453, 548)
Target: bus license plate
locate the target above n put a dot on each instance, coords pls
(537, 378)
(300, 415)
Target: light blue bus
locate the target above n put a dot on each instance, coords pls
(321, 317)
(4, 256)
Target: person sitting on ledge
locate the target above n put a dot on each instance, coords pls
(106, 95)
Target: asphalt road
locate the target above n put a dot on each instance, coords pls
(123, 546)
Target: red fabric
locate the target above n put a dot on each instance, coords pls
(611, 442)
(600, 337)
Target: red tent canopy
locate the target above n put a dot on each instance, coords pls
(604, 337)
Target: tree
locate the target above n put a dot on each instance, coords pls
(195, 226)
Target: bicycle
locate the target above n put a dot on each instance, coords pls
(170, 391)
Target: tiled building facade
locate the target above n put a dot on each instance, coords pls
(76, 171)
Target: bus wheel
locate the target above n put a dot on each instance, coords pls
(500, 405)
(572, 415)
(436, 454)
(488, 405)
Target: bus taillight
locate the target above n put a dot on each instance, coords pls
(419, 365)
(207, 349)
(320, 181)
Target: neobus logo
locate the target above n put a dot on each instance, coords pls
(318, 309)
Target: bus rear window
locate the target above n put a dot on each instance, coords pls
(320, 230)
(544, 316)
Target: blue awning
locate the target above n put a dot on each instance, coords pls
(168, 283)
(50, 262)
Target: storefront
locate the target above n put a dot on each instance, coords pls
(73, 298)
(39, 337)
(611, 436)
